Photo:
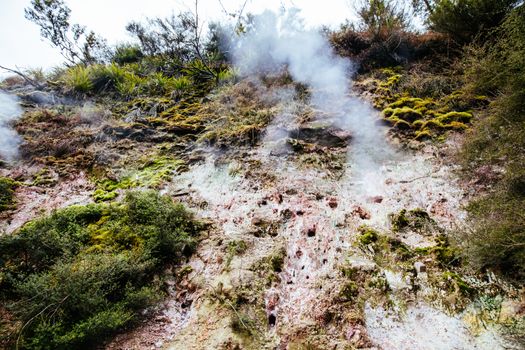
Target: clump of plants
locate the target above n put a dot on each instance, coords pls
(496, 239)
(238, 114)
(152, 174)
(71, 279)
(422, 117)
(235, 248)
(416, 220)
(7, 193)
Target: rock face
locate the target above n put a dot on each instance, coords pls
(423, 327)
(39, 98)
(325, 137)
(283, 265)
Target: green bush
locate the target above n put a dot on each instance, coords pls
(84, 272)
(463, 20)
(498, 239)
(127, 53)
(498, 141)
(106, 77)
(77, 79)
(381, 18)
(7, 191)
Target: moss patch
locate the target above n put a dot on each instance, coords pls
(416, 220)
(420, 118)
(151, 174)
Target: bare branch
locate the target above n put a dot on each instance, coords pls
(26, 78)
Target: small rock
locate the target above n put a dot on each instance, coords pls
(310, 231)
(257, 221)
(376, 199)
(332, 202)
(420, 267)
(277, 197)
(362, 213)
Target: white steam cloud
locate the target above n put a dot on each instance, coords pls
(276, 40)
(10, 110)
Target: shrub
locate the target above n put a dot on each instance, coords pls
(7, 191)
(77, 79)
(130, 85)
(463, 20)
(181, 83)
(498, 140)
(381, 18)
(105, 78)
(84, 272)
(390, 49)
(127, 53)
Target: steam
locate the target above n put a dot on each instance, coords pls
(9, 140)
(276, 40)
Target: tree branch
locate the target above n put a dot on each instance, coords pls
(24, 76)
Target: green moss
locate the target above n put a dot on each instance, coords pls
(368, 235)
(399, 123)
(349, 291)
(444, 253)
(43, 178)
(7, 193)
(424, 134)
(415, 219)
(152, 174)
(405, 113)
(270, 266)
(458, 282)
(108, 189)
(401, 250)
(158, 171)
(456, 126)
(235, 248)
(420, 118)
(399, 221)
(389, 72)
(416, 103)
(463, 117)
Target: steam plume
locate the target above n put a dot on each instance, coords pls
(9, 140)
(276, 40)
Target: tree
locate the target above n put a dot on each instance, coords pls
(424, 7)
(464, 20)
(179, 40)
(381, 18)
(76, 43)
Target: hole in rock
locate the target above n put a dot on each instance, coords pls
(271, 320)
(311, 232)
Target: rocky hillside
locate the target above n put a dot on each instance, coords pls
(292, 206)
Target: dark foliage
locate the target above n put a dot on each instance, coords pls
(84, 272)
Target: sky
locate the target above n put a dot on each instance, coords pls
(22, 47)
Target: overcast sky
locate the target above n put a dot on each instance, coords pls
(21, 45)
